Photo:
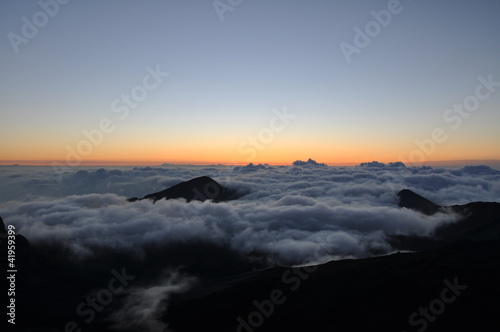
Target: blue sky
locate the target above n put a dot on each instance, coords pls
(226, 77)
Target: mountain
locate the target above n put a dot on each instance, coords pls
(409, 199)
(480, 221)
(476, 221)
(399, 292)
(200, 189)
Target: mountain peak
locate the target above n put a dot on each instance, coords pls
(201, 189)
(409, 199)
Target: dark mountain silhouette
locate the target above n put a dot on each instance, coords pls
(20, 241)
(379, 294)
(200, 188)
(409, 199)
(476, 221)
(3, 230)
(480, 221)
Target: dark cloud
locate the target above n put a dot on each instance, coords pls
(476, 170)
(378, 164)
(251, 168)
(309, 162)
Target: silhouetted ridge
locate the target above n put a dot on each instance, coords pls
(3, 230)
(20, 242)
(409, 199)
(481, 221)
(200, 189)
(476, 221)
(347, 295)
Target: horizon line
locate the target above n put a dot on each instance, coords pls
(96, 163)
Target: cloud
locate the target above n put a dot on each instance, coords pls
(309, 162)
(476, 170)
(142, 306)
(447, 186)
(378, 164)
(281, 216)
(251, 168)
(89, 223)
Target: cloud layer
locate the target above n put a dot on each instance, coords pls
(287, 212)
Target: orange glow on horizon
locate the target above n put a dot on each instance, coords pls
(446, 162)
(213, 151)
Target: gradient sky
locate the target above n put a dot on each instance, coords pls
(228, 78)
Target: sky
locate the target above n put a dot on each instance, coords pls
(233, 82)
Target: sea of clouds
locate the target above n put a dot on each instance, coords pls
(296, 214)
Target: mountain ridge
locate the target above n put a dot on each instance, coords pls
(411, 200)
(201, 188)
